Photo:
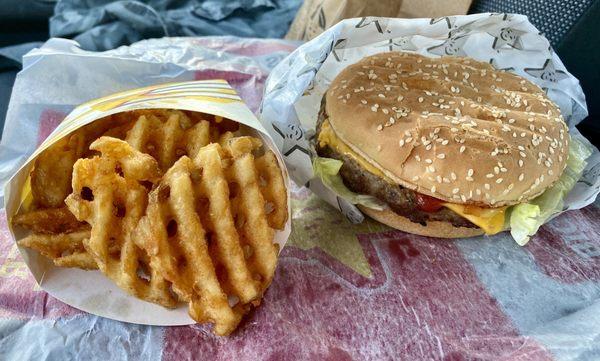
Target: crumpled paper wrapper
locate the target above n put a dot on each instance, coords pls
(91, 291)
(295, 87)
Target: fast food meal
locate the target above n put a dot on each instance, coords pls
(448, 145)
(172, 206)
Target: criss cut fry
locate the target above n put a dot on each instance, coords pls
(197, 231)
(64, 249)
(49, 221)
(109, 194)
(51, 174)
(272, 187)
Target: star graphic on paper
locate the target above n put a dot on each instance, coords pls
(339, 45)
(402, 43)
(507, 36)
(452, 46)
(366, 21)
(293, 138)
(315, 224)
(350, 211)
(548, 72)
(449, 21)
(494, 63)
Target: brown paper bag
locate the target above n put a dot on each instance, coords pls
(315, 16)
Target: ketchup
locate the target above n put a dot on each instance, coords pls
(427, 203)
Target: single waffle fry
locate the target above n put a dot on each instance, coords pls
(197, 231)
(65, 249)
(176, 240)
(52, 171)
(51, 174)
(49, 221)
(109, 193)
(273, 189)
(251, 218)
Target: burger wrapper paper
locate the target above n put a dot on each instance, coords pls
(295, 87)
(91, 291)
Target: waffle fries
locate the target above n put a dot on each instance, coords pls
(170, 205)
(206, 231)
(108, 193)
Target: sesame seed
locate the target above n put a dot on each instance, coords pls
(401, 142)
(428, 161)
(363, 101)
(379, 127)
(381, 95)
(486, 186)
(463, 198)
(441, 156)
(489, 175)
(433, 189)
(499, 180)
(418, 158)
(462, 148)
(400, 98)
(420, 99)
(520, 162)
(374, 108)
(385, 111)
(415, 178)
(470, 173)
(453, 176)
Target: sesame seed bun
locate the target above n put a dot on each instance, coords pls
(452, 128)
(432, 229)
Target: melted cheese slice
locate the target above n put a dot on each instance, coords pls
(491, 220)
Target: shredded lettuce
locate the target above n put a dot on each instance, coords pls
(526, 218)
(328, 170)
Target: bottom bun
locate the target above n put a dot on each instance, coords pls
(432, 229)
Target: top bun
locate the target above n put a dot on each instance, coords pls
(452, 128)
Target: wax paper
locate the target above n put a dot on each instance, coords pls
(507, 41)
(341, 291)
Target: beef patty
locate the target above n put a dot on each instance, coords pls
(400, 199)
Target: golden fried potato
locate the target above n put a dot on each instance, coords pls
(65, 249)
(108, 194)
(207, 232)
(49, 221)
(51, 174)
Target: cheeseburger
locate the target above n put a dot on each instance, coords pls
(448, 144)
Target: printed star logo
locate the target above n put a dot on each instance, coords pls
(448, 20)
(452, 46)
(339, 45)
(317, 225)
(507, 36)
(548, 72)
(293, 138)
(494, 63)
(350, 211)
(402, 43)
(366, 21)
